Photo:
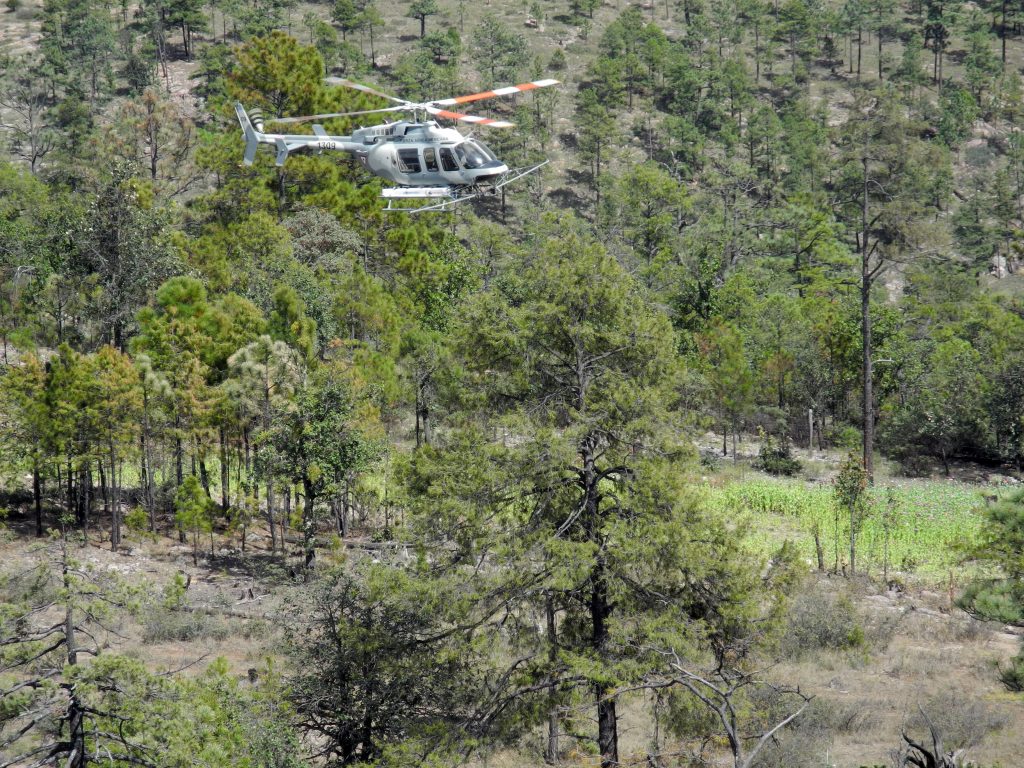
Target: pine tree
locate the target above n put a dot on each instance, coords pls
(562, 470)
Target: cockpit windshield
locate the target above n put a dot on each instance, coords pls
(473, 154)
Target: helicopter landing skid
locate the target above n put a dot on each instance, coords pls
(453, 195)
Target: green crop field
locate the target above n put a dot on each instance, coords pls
(930, 524)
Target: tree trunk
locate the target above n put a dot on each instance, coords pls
(818, 550)
(607, 721)
(551, 750)
(880, 49)
(346, 508)
(757, 55)
(85, 489)
(115, 502)
(860, 46)
(286, 516)
(1002, 35)
(853, 539)
(418, 408)
(69, 494)
(204, 475)
(147, 464)
(75, 717)
(866, 279)
(225, 473)
(104, 488)
(270, 515)
(600, 610)
(308, 542)
(179, 466)
(37, 499)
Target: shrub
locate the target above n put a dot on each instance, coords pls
(709, 460)
(802, 742)
(776, 457)
(1013, 676)
(845, 436)
(137, 522)
(821, 621)
(163, 626)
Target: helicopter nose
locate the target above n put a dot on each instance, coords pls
(491, 173)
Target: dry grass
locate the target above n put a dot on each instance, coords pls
(934, 654)
(913, 649)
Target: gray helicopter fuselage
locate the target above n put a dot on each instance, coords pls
(426, 155)
(409, 153)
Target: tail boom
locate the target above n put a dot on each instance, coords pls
(286, 143)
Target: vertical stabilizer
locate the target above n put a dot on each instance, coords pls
(252, 137)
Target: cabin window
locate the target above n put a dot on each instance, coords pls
(485, 149)
(470, 156)
(448, 160)
(408, 161)
(429, 159)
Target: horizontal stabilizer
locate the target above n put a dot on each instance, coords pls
(282, 151)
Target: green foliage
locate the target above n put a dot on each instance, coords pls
(728, 373)
(193, 511)
(850, 488)
(209, 720)
(944, 414)
(936, 519)
(420, 10)
(1012, 676)
(284, 332)
(958, 110)
(776, 456)
(288, 322)
(1001, 547)
(374, 668)
(500, 52)
(817, 621)
(589, 500)
(279, 75)
(137, 521)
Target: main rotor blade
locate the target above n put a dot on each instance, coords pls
(363, 88)
(475, 119)
(329, 115)
(496, 92)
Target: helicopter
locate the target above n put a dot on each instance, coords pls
(425, 160)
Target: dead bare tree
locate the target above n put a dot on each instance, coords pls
(54, 613)
(917, 754)
(24, 105)
(720, 690)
